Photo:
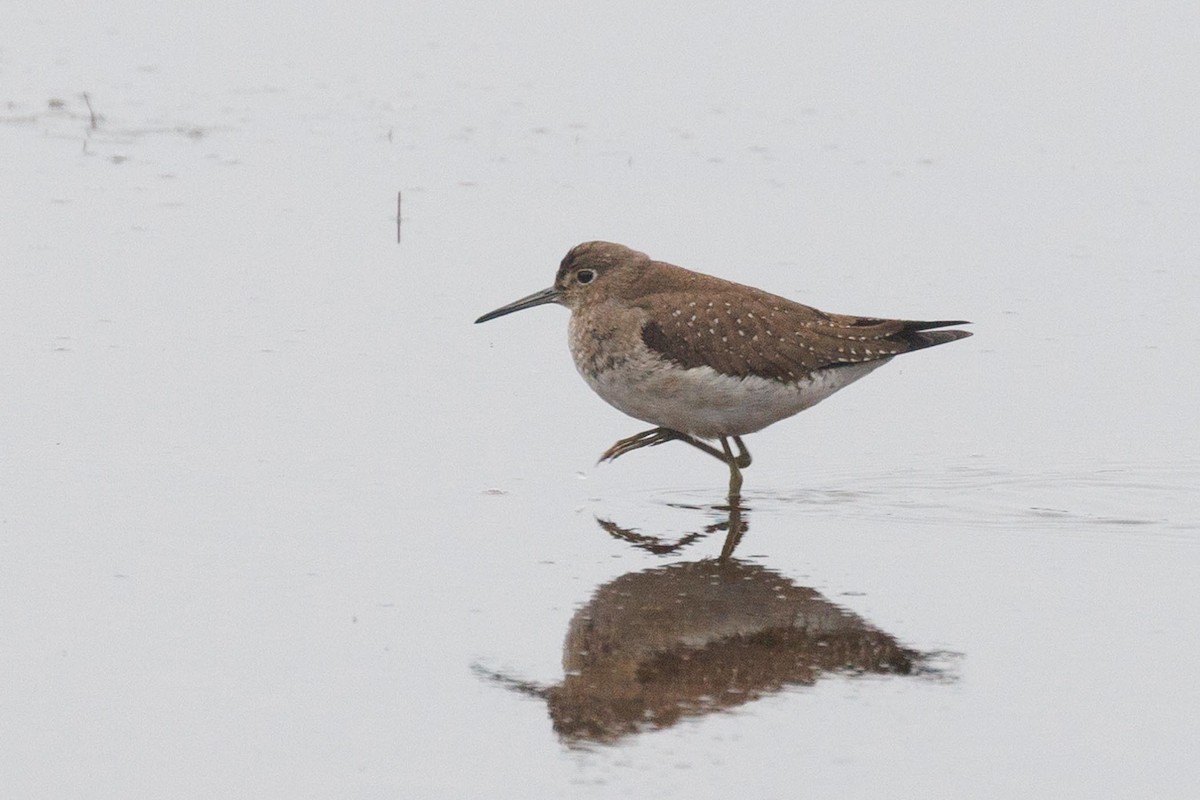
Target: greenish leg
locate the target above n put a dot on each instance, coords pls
(735, 474)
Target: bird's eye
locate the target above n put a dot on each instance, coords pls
(585, 276)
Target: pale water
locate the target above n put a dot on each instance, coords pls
(276, 520)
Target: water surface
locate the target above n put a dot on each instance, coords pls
(278, 521)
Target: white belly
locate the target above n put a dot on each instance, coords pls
(705, 403)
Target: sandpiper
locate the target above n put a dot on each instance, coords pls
(704, 358)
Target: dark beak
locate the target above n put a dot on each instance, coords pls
(550, 295)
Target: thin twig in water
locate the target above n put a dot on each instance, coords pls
(95, 121)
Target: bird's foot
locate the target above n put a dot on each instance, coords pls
(649, 438)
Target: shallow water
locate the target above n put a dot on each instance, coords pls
(277, 520)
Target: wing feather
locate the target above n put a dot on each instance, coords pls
(740, 331)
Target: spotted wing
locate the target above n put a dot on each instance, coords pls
(744, 331)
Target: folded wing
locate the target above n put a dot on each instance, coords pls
(757, 333)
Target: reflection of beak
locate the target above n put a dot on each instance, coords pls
(550, 295)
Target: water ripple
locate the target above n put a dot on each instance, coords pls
(1159, 499)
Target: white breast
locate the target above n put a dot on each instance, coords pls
(705, 403)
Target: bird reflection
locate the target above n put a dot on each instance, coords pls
(654, 647)
(734, 524)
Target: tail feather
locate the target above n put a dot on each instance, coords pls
(917, 325)
(918, 334)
